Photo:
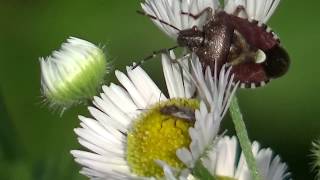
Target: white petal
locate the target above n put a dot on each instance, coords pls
(106, 120)
(131, 89)
(226, 156)
(185, 156)
(103, 167)
(91, 173)
(114, 112)
(99, 158)
(100, 131)
(121, 99)
(172, 74)
(146, 87)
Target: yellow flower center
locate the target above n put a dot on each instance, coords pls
(224, 178)
(157, 134)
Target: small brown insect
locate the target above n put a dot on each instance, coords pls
(179, 112)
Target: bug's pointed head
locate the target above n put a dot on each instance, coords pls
(277, 62)
(190, 38)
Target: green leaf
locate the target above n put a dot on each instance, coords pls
(10, 146)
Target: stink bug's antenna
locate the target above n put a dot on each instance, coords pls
(153, 55)
(157, 19)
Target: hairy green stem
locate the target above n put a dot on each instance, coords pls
(243, 137)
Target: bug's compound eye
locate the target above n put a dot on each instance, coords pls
(277, 63)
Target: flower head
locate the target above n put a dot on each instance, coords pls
(72, 74)
(135, 127)
(170, 11)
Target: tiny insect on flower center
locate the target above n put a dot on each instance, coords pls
(157, 136)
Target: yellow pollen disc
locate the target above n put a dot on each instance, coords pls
(156, 135)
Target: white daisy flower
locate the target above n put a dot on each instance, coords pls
(135, 125)
(222, 162)
(72, 74)
(169, 11)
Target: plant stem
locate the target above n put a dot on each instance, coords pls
(243, 137)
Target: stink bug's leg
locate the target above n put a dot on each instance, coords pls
(240, 9)
(207, 10)
(157, 19)
(153, 55)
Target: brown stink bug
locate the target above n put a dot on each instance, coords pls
(249, 46)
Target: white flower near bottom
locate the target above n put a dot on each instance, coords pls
(111, 134)
(222, 162)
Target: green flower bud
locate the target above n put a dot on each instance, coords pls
(316, 157)
(73, 74)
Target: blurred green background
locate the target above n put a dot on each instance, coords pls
(35, 142)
